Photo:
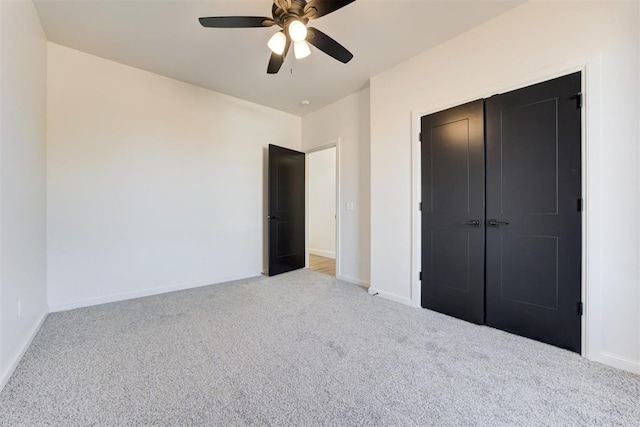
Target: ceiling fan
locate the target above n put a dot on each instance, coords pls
(292, 16)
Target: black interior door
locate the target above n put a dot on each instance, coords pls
(453, 212)
(286, 200)
(534, 220)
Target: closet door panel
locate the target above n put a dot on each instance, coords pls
(453, 212)
(534, 222)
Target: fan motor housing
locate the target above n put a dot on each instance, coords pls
(295, 12)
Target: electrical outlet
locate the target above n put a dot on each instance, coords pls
(19, 307)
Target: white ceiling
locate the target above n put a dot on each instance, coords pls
(164, 37)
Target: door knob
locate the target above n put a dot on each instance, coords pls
(272, 217)
(473, 222)
(496, 223)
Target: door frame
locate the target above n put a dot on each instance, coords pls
(338, 231)
(590, 144)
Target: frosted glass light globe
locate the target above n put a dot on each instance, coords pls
(277, 43)
(297, 31)
(301, 49)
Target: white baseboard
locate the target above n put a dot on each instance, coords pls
(321, 252)
(353, 280)
(142, 293)
(22, 349)
(390, 296)
(619, 362)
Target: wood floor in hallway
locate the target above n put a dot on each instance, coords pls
(322, 265)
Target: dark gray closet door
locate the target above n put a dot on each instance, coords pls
(534, 220)
(453, 212)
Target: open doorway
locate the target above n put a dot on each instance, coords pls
(322, 199)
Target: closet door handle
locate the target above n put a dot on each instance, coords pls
(473, 223)
(496, 223)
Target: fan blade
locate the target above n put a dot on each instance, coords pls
(325, 7)
(236, 22)
(328, 45)
(276, 61)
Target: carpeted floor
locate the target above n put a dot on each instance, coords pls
(300, 349)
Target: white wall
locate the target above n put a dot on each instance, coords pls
(348, 121)
(22, 181)
(532, 42)
(153, 184)
(322, 202)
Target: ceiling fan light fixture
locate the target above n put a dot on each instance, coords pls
(292, 16)
(277, 43)
(297, 31)
(301, 49)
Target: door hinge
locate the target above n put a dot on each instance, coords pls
(580, 205)
(579, 100)
(420, 275)
(420, 136)
(420, 206)
(580, 308)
